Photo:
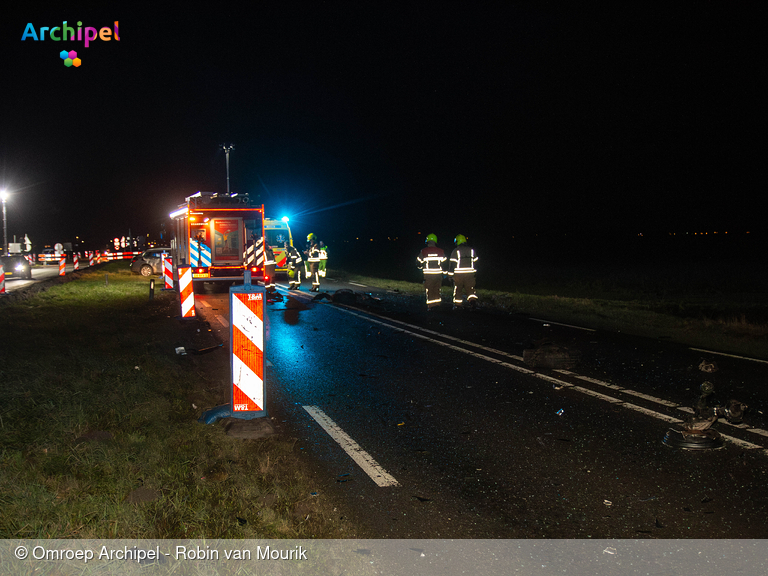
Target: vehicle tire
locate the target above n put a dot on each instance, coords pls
(146, 270)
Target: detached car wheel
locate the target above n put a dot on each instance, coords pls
(146, 270)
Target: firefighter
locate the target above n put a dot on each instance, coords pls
(313, 260)
(269, 269)
(323, 259)
(430, 261)
(462, 270)
(296, 264)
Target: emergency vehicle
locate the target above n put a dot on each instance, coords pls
(278, 232)
(219, 235)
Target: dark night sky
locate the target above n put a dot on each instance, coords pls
(422, 117)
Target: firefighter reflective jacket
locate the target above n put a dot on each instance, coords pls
(462, 260)
(294, 256)
(269, 256)
(313, 253)
(430, 260)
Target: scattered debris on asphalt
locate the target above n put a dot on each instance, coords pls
(547, 354)
(697, 433)
(708, 366)
(205, 350)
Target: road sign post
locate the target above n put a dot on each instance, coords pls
(246, 311)
(248, 399)
(186, 292)
(168, 272)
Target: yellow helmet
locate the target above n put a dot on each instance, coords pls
(311, 236)
(460, 239)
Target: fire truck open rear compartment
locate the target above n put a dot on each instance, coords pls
(219, 235)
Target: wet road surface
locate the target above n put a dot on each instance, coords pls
(480, 445)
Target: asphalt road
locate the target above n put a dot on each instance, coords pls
(433, 426)
(38, 273)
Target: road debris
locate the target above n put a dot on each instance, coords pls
(697, 433)
(546, 354)
(205, 350)
(708, 366)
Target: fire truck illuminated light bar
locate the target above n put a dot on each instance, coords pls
(200, 273)
(178, 213)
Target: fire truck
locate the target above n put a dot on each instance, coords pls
(278, 232)
(219, 235)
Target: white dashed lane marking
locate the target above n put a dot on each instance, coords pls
(613, 400)
(360, 456)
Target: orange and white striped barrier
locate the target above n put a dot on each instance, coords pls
(90, 260)
(62, 266)
(2, 279)
(168, 272)
(246, 306)
(77, 262)
(186, 292)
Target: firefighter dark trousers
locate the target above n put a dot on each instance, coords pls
(432, 283)
(314, 274)
(464, 283)
(295, 282)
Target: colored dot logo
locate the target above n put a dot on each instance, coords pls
(70, 58)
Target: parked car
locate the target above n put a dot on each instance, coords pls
(16, 267)
(150, 262)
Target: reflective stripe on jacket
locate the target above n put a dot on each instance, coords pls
(463, 260)
(294, 256)
(269, 257)
(430, 260)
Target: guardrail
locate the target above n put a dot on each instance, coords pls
(97, 257)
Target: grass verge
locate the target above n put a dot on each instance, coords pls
(99, 431)
(705, 319)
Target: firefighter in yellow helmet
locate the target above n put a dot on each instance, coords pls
(296, 265)
(430, 262)
(269, 269)
(462, 270)
(313, 261)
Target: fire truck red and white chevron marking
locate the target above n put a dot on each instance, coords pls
(248, 352)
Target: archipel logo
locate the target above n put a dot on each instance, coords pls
(67, 33)
(70, 58)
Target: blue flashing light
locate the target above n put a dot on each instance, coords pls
(284, 219)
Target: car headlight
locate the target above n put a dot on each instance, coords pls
(19, 267)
